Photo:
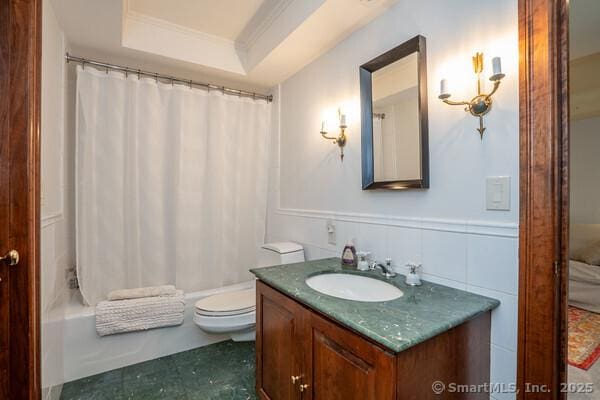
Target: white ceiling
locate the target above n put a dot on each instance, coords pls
(223, 18)
(253, 44)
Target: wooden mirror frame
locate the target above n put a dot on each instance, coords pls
(416, 44)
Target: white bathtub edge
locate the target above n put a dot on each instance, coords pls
(85, 353)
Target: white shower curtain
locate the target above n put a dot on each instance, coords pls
(171, 184)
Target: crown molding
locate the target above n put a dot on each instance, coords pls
(260, 23)
(180, 29)
(154, 35)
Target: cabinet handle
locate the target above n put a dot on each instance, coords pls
(303, 387)
(295, 379)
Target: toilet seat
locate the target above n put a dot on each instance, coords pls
(231, 312)
(227, 304)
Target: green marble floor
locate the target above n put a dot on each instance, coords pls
(219, 371)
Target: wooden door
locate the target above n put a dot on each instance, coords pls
(20, 59)
(280, 331)
(344, 366)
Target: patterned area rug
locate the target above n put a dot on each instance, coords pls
(584, 338)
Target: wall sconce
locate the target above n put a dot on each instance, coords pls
(481, 104)
(340, 140)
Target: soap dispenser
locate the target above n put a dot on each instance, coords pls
(412, 278)
(349, 258)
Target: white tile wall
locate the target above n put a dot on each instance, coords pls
(373, 238)
(503, 370)
(444, 255)
(404, 245)
(492, 263)
(504, 318)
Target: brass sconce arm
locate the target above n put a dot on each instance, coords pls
(325, 136)
(456, 103)
(496, 86)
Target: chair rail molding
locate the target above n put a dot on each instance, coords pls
(473, 227)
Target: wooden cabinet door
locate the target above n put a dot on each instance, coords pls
(280, 329)
(344, 366)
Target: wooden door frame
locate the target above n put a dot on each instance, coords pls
(20, 80)
(544, 196)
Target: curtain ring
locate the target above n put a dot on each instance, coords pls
(126, 73)
(191, 83)
(83, 64)
(156, 77)
(106, 70)
(254, 96)
(223, 89)
(172, 80)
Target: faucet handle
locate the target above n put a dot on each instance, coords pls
(413, 266)
(388, 262)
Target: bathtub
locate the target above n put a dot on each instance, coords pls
(84, 353)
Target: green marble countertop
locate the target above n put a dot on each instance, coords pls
(420, 314)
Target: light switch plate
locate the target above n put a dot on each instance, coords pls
(497, 193)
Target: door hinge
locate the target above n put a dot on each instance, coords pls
(556, 267)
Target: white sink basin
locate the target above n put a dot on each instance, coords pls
(354, 287)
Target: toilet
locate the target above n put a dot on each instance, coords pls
(234, 313)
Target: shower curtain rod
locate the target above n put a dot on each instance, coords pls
(171, 79)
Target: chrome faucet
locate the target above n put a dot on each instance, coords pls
(386, 269)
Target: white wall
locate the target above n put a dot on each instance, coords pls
(446, 227)
(57, 237)
(585, 171)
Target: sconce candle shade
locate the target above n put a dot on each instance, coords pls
(497, 67)
(444, 89)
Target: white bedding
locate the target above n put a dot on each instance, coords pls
(584, 286)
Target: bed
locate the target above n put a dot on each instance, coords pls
(584, 267)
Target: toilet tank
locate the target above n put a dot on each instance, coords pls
(280, 253)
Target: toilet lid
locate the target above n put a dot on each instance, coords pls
(229, 303)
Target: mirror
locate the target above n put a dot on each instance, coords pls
(393, 89)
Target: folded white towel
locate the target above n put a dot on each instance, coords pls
(130, 315)
(137, 293)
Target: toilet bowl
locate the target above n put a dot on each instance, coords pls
(234, 313)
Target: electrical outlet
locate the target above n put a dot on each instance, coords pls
(331, 237)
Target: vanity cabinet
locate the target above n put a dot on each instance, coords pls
(280, 362)
(303, 355)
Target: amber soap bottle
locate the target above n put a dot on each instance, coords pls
(349, 258)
